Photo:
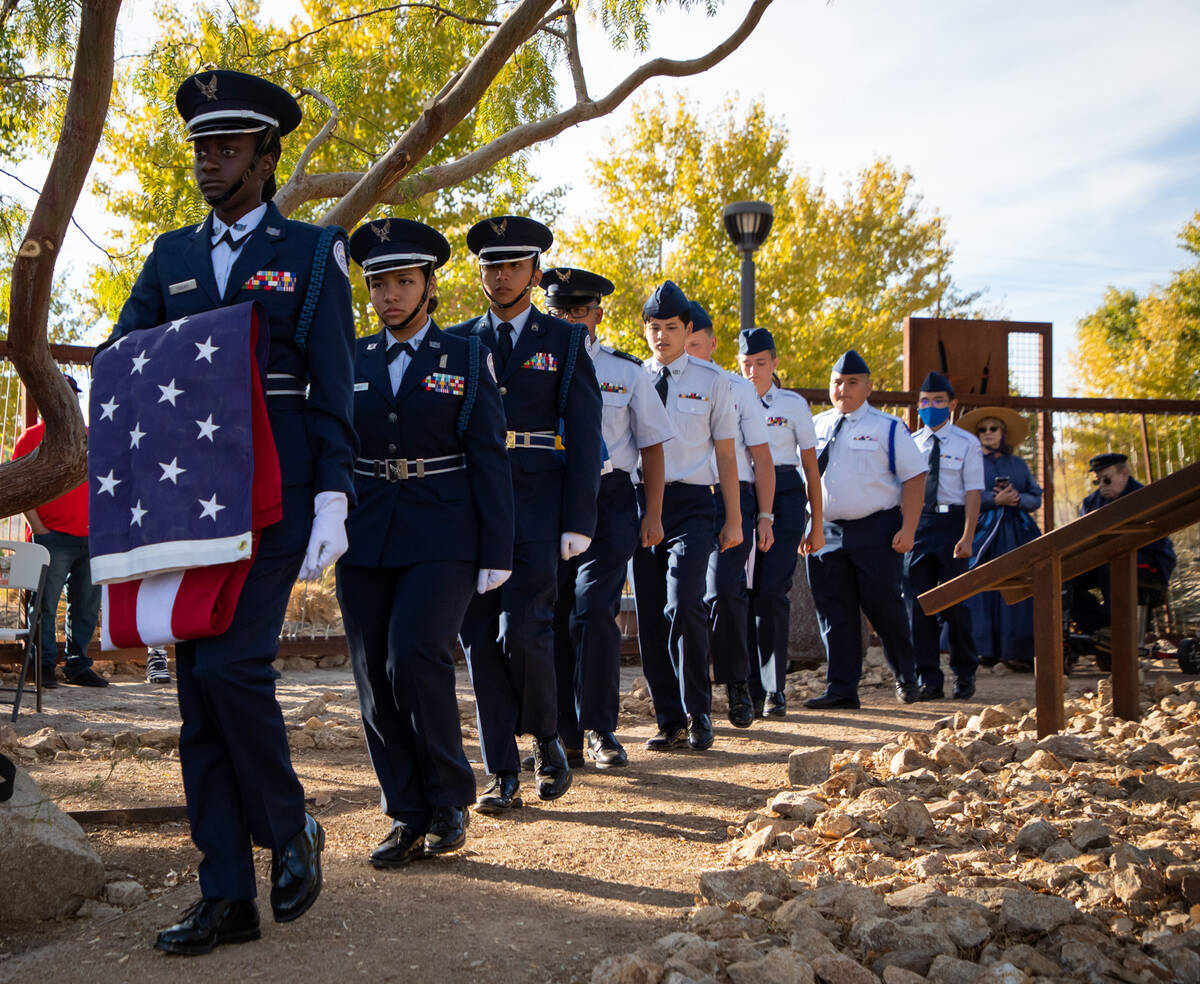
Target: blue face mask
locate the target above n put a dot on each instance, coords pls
(934, 416)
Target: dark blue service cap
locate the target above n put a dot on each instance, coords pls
(1101, 461)
(222, 101)
(666, 302)
(504, 238)
(566, 286)
(397, 244)
(751, 341)
(935, 382)
(851, 364)
(700, 319)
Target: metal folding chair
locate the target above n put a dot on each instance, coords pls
(23, 569)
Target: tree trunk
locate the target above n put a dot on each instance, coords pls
(60, 463)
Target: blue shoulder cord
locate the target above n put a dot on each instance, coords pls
(892, 446)
(464, 413)
(315, 278)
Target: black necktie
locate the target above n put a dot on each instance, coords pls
(823, 457)
(393, 353)
(227, 237)
(661, 385)
(766, 405)
(504, 343)
(931, 480)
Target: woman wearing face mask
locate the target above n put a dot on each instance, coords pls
(1002, 632)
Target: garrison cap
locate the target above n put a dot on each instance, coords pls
(751, 341)
(568, 286)
(935, 382)
(700, 319)
(504, 238)
(1101, 461)
(667, 301)
(851, 364)
(397, 244)
(223, 101)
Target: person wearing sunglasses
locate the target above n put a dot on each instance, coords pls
(1089, 593)
(1003, 633)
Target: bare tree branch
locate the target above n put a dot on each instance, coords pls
(60, 462)
(322, 134)
(577, 77)
(112, 258)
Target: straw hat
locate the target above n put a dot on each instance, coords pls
(1016, 428)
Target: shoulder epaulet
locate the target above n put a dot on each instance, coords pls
(710, 366)
(625, 355)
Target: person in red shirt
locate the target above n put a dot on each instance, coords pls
(61, 526)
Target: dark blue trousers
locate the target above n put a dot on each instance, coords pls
(770, 605)
(587, 639)
(401, 626)
(864, 572)
(668, 589)
(508, 635)
(233, 750)
(930, 563)
(726, 595)
(70, 567)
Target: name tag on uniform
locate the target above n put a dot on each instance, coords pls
(444, 382)
(182, 287)
(543, 361)
(359, 387)
(777, 421)
(280, 280)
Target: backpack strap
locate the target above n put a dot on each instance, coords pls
(315, 279)
(468, 403)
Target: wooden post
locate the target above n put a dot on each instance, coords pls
(1122, 573)
(1048, 643)
(1146, 449)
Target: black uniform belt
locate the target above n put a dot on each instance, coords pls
(746, 486)
(786, 468)
(285, 384)
(939, 508)
(402, 469)
(615, 475)
(689, 485)
(545, 440)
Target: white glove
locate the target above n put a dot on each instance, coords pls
(327, 541)
(573, 544)
(489, 579)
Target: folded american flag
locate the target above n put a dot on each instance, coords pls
(182, 470)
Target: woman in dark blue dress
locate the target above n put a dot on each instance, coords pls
(1003, 633)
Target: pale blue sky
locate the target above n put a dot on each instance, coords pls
(1061, 141)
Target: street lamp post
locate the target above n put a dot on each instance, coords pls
(748, 224)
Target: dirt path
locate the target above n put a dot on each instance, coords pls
(540, 896)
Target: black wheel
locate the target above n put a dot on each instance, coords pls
(1189, 658)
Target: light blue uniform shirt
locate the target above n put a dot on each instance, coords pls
(857, 481)
(700, 407)
(633, 416)
(961, 468)
(752, 423)
(223, 255)
(789, 425)
(397, 366)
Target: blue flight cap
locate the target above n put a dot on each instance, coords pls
(1101, 461)
(222, 101)
(751, 341)
(568, 286)
(935, 382)
(700, 319)
(504, 238)
(667, 302)
(397, 244)
(851, 364)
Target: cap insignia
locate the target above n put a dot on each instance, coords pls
(564, 275)
(209, 89)
(498, 227)
(383, 231)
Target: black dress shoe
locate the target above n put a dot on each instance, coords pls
(699, 732)
(666, 739)
(209, 923)
(604, 749)
(776, 705)
(500, 794)
(527, 763)
(49, 680)
(931, 693)
(828, 701)
(296, 872)
(964, 688)
(87, 677)
(550, 768)
(908, 693)
(575, 760)
(447, 830)
(741, 706)
(759, 706)
(400, 847)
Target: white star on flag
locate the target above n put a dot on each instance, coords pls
(139, 363)
(171, 471)
(136, 435)
(207, 348)
(207, 428)
(138, 513)
(109, 409)
(169, 392)
(210, 507)
(108, 483)
(176, 325)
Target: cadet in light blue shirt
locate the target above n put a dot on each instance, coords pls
(872, 484)
(668, 579)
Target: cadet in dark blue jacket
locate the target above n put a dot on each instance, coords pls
(552, 405)
(237, 773)
(434, 521)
